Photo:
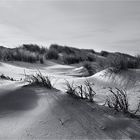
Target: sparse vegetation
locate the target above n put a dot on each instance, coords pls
(63, 49)
(25, 53)
(91, 58)
(52, 54)
(2, 76)
(82, 91)
(34, 48)
(90, 93)
(71, 59)
(104, 53)
(33, 53)
(120, 62)
(138, 61)
(41, 60)
(119, 102)
(71, 89)
(72, 55)
(117, 62)
(89, 68)
(39, 80)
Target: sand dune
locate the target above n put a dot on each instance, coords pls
(38, 113)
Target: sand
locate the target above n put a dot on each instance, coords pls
(38, 113)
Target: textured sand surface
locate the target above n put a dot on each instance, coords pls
(38, 113)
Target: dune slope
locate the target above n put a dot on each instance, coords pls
(38, 113)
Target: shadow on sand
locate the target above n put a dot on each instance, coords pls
(18, 100)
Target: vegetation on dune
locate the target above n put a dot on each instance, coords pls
(116, 62)
(89, 67)
(71, 89)
(39, 80)
(34, 48)
(84, 91)
(33, 53)
(2, 76)
(104, 53)
(71, 59)
(63, 49)
(118, 100)
(72, 55)
(26, 53)
(120, 62)
(41, 60)
(52, 54)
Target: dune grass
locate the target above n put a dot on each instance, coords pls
(119, 102)
(84, 91)
(119, 62)
(89, 67)
(39, 80)
(4, 77)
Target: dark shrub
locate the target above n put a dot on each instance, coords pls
(52, 54)
(89, 68)
(122, 62)
(117, 62)
(138, 61)
(71, 59)
(2, 76)
(104, 53)
(34, 48)
(41, 60)
(63, 49)
(91, 58)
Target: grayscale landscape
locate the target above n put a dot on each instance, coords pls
(69, 70)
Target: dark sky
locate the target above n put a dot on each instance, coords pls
(100, 25)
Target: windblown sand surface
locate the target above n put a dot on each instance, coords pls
(38, 113)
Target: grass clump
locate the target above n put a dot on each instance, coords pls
(39, 80)
(88, 66)
(2, 76)
(90, 93)
(71, 89)
(138, 61)
(82, 91)
(119, 102)
(104, 53)
(52, 54)
(118, 62)
(71, 59)
(25, 53)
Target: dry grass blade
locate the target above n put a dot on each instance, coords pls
(82, 91)
(91, 93)
(39, 80)
(119, 102)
